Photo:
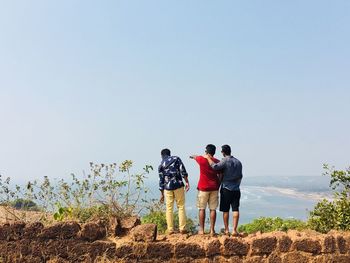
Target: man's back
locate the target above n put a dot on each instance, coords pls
(171, 170)
(208, 179)
(232, 173)
(231, 168)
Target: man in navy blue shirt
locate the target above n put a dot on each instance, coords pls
(171, 172)
(230, 193)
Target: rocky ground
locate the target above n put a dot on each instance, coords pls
(128, 241)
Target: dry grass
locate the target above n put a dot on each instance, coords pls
(10, 215)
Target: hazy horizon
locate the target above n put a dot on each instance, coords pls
(84, 81)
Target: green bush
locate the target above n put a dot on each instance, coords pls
(158, 218)
(269, 224)
(335, 214)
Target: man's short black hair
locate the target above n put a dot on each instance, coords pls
(165, 152)
(210, 149)
(226, 149)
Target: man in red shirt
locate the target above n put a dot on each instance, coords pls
(208, 186)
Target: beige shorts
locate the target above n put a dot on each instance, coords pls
(211, 198)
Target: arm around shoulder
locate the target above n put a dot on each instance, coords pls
(217, 166)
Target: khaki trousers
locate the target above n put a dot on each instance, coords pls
(177, 196)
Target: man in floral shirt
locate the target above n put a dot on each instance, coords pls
(171, 172)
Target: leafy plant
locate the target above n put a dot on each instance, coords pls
(269, 224)
(107, 191)
(62, 213)
(340, 179)
(97, 212)
(333, 214)
(158, 218)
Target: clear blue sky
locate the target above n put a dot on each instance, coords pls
(105, 81)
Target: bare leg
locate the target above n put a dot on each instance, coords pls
(235, 222)
(201, 221)
(226, 216)
(212, 221)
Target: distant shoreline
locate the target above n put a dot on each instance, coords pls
(292, 192)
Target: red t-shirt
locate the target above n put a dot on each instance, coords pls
(208, 179)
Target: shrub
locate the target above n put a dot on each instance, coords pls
(158, 218)
(269, 224)
(328, 215)
(108, 191)
(100, 212)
